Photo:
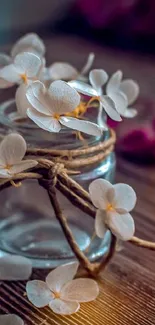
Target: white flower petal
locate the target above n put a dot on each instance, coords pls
(10, 74)
(121, 225)
(38, 293)
(88, 64)
(4, 60)
(114, 82)
(12, 149)
(81, 125)
(100, 226)
(98, 78)
(64, 98)
(81, 290)
(27, 43)
(14, 268)
(23, 165)
(37, 96)
(61, 275)
(62, 70)
(11, 319)
(47, 123)
(130, 113)
(42, 70)
(131, 89)
(83, 88)
(98, 190)
(64, 307)
(109, 107)
(27, 63)
(4, 173)
(125, 197)
(21, 100)
(120, 101)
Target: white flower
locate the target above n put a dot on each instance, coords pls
(98, 79)
(65, 71)
(29, 43)
(24, 67)
(50, 105)
(10, 319)
(60, 291)
(128, 87)
(119, 94)
(114, 202)
(22, 70)
(15, 268)
(12, 151)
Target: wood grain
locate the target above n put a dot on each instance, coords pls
(127, 286)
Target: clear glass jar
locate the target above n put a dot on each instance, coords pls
(27, 222)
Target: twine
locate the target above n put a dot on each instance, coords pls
(55, 176)
(74, 159)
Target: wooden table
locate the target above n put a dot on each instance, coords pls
(127, 286)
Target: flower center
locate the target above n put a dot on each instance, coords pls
(109, 207)
(24, 78)
(8, 167)
(78, 111)
(56, 295)
(56, 116)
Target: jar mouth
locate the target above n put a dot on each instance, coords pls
(66, 138)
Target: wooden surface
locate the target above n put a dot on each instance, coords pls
(127, 287)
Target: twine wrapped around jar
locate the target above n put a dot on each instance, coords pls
(52, 172)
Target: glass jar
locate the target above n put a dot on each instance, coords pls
(28, 225)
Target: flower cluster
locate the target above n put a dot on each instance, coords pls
(50, 96)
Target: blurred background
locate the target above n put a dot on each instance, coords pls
(128, 24)
(121, 33)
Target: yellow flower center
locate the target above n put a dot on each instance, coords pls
(56, 295)
(56, 116)
(78, 111)
(8, 167)
(110, 207)
(24, 78)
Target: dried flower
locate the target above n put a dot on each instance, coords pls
(10, 319)
(119, 94)
(29, 43)
(114, 202)
(128, 87)
(50, 106)
(65, 71)
(14, 268)
(12, 151)
(24, 67)
(97, 79)
(23, 70)
(60, 291)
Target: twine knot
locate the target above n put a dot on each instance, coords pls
(54, 171)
